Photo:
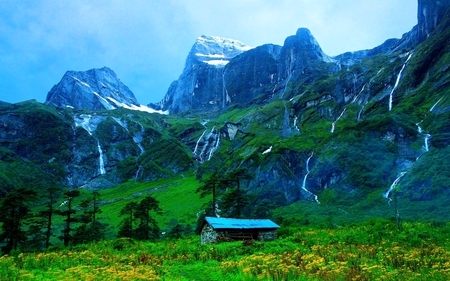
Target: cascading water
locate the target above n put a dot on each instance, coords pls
(306, 176)
(214, 148)
(289, 72)
(334, 123)
(198, 141)
(360, 92)
(138, 138)
(90, 123)
(393, 185)
(397, 81)
(100, 159)
(267, 150)
(426, 137)
(225, 97)
(295, 124)
(359, 114)
(431, 109)
(137, 173)
(209, 147)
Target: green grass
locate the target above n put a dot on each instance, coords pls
(177, 198)
(373, 250)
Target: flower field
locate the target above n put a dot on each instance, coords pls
(374, 250)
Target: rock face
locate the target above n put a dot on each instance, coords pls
(95, 89)
(222, 71)
(429, 15)
(201, 86)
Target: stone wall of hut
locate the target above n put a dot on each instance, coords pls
(209, 235)
(267, 235)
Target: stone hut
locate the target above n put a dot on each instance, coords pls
(230, 229)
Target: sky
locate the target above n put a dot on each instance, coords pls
(146, 42)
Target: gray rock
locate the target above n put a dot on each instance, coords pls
(95, 89)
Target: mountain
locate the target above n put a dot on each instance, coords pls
(200, 86)
(341, 136)
(95, 89)
(215, 77)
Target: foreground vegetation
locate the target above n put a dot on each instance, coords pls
(373, 250)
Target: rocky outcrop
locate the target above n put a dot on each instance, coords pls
(201, 85)
(95, 89)
(220, 72)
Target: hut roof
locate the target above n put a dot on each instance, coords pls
(231, 223)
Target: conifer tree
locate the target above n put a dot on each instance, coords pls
(14, 209)
(90, 229)
(148, 227)
(235, 200)
(126, 226)
(69, 214)
(53, 194)
(210, 187)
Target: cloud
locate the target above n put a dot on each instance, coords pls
(146, 42)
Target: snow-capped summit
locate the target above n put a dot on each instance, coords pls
(217, 51)
(95, 89)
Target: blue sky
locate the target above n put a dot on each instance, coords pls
(146, 41)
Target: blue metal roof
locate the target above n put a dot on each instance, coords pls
(230, 223)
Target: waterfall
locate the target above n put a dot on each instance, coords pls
(289, 72)
(225, 96)
(214, 148)
(199, 139)
(138, 138)
(306, 176)
(431, 109)
(207, 144)
(267, 150)
(359, 114)
(334, 123)
(393, 185)
(426, 137)
(100, 159)
(397, 82)
(137, 173)
(357, 96)
(295, 123)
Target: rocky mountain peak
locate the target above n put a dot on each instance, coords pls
(217, 51)
(95, 89)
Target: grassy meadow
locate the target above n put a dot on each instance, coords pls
(374, 250)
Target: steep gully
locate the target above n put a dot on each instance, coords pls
(397, 81)
(306, 176)
(84, 121)
(210, 144)
(426, 138)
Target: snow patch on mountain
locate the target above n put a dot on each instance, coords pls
(217, 51)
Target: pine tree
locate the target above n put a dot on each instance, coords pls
(235, 200)
(148, 227)
(53, 194)
(210, 187)
(126, 226)
(14, 209)
(90, 229)
(69, 214)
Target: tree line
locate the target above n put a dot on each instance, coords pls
(27, 219)
(230, 198)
